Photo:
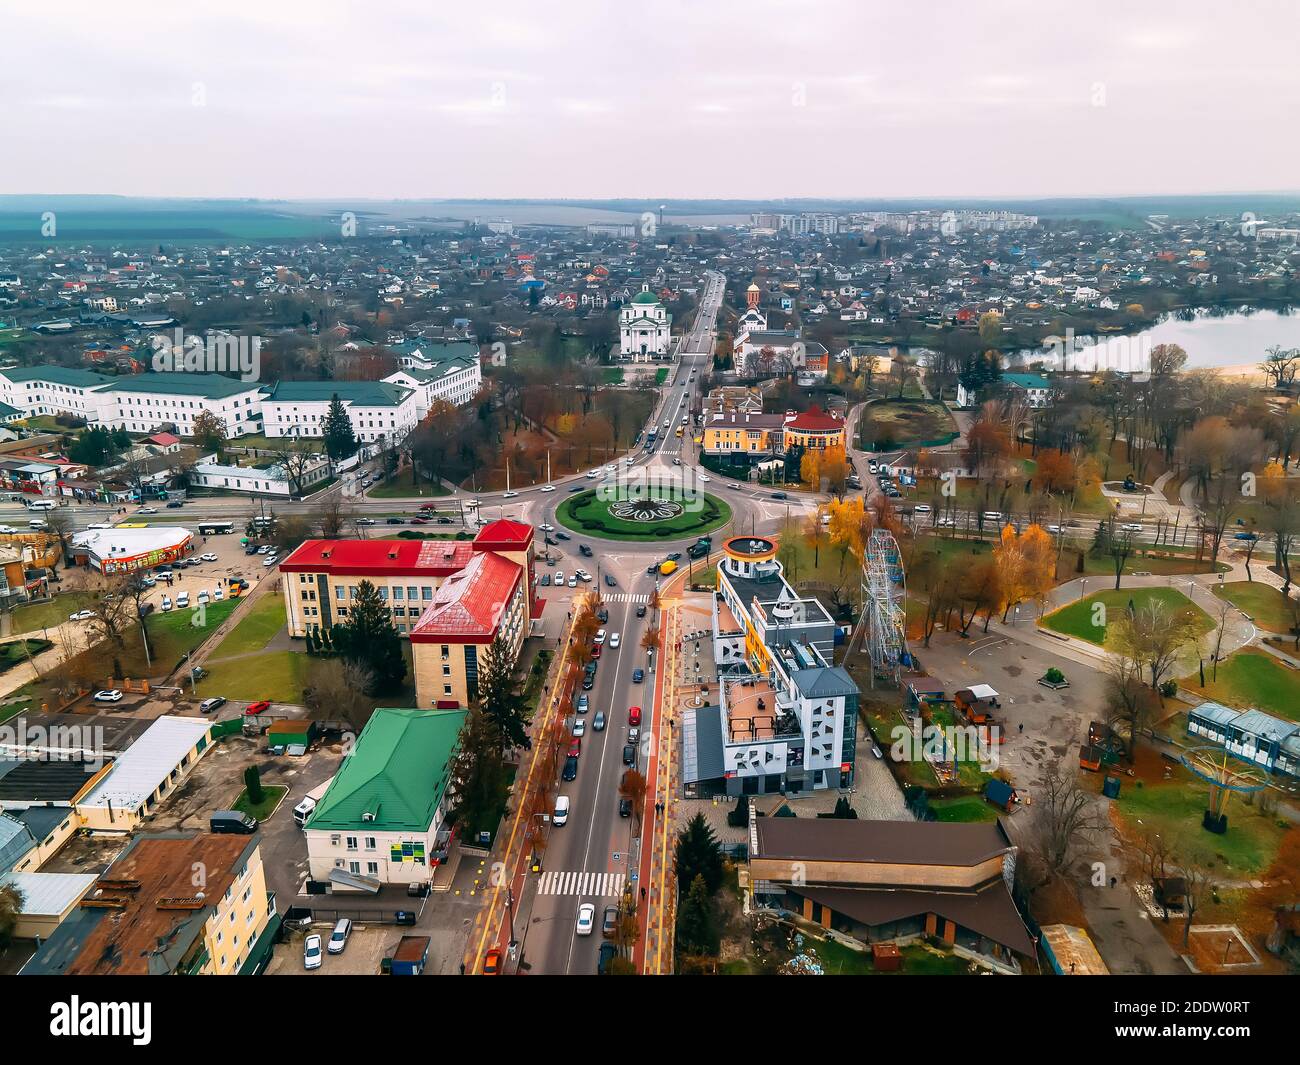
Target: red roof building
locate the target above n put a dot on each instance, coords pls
(814, 428)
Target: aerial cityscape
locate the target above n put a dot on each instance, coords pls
(480, 552)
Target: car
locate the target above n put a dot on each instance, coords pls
(253, 709)
(629, 754)
(174, 504)
(209, 705)
(876, 751)
(596, 650)
(992, 515)
(546, 527)
(576, 488)
(610, 582)
(443, 520)
(147, 510)
(585, 550)
(419, 521)
(471, 503)
(251, 549)
(166, 604)
(575, 747)
(677, 462)
(579, 728)
(563, 536)
(509, 495)
(638, 675)
(921, 508)
(673, 556)
(81, 615)
(598, 722)
(546, 580)
(733, 486)
(947, 523)
(780, 495)
(582, 575)
(208, 556)
(203, 597)
(634, 715)
(640, 610)
(270, 561)
(9, 530)
(311, 953)
(339, 937)
(633, 735)
(111, 695)
(624, 807)
(263, 549)
(652, 568)
(147, 581)
(613, 641)
(608, 952)
(1244, 536)
(586, 918)
(183, 599)
(599, 637)
(548, 488)
(218, 594)
(1132, 527)
(573, 582)
(549, 542)
(366, 521)
(602, 615)
(492, 962)
(609, 920)
(570, 769)
(38, 523)
(583, 704)
(394, 521)
(873, 467)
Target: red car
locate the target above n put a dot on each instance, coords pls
(419, 521)
(492, 962)
(595, 651)
(575, 748)
(634, 715)
(253, 709)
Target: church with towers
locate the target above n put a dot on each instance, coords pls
(752, 320)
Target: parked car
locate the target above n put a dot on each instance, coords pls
(209, 705)
(570, 769)
(208, 556)
(582, 704)
(339, 937)
(624, 807)
(81, 615)
(629, 754)
(634, 715)
(608, 952)
(253, 709)
(638, 675)
(311, 953)
(111, 695)
(609, 922)
(492, 962)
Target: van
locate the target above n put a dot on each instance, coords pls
(183, 600)
(561, 810)
(232, 821)
(37, 523)
(42, 504)
(668, 567)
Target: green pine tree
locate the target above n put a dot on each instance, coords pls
(499, 695)
(370, 638)
(340, 440)
(697, 854)
(480, 775)
(253, 785)
(697, 931)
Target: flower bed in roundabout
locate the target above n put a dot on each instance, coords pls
(645, 514)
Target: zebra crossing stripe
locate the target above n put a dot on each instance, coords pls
(600, 885)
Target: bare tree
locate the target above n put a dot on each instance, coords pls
(1067, 820)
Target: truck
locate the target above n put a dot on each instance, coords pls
(307, 807)
(410, 957)
(701, 547)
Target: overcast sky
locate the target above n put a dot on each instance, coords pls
(708, 98)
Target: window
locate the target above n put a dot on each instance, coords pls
(370, 843)
(352, 843)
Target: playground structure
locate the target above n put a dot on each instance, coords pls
(1226, 776)
(884, 585)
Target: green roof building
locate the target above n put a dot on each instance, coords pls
(382, 820)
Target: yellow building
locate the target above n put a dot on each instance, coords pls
(815, 430)
(189, 903)
(730, 433)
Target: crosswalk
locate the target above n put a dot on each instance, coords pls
(599, 885)
(626, 597)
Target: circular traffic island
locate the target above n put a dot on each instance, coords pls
(642, 514)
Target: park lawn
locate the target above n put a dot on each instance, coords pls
(614, 375)
(255, 629)
(1076, 618)
(174, 634)
(278, 676)
(272, 795)
(964, 809)
(16, 651)
(661, 375)
(1174, 807)
(586, 507)
(1266, 605)
(13, 706)
(48, 615)
(404, 484)
(1251, 678)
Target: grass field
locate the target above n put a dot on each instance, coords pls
(1269, 608)
(404, 485)
(1077, 618)
(272, 794)
(16, 651)
(264, 619)
(1251, 678)
(965, 809)
(279, 676)
(589, 515)
(893, 424)
(37, 616)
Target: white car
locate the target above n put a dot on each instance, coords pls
(947, 523)
(112, 695)
(183, 600)
(10, 530)
(734, 485)
(612, 468)
(705, 478)
(366, 521)
(613, 641)
(471, 503)
(586, 919)
(147, 510)
(573, 582)
(921, 508)
(1132, 527)
(600, 637)
(559, 576)
(92, 525)
(548, 488)
(81, 615)
(218, 594)
(547, 527)
(1053, 528)
(208, 556)
(203, 597)
(166, 604)
(509, 495)
(311, 953)
(271, 560)
(592, 475)
(580, 727)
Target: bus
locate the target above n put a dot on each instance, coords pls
(216, 528)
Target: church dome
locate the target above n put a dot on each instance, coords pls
(645, 297)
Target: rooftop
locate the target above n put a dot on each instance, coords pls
(381, 558)
(470, 603)
(880, 842)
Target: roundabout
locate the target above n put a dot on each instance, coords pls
(643, 515)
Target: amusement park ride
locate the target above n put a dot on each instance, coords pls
(884, 586)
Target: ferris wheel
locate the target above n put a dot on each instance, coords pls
(884, 585)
